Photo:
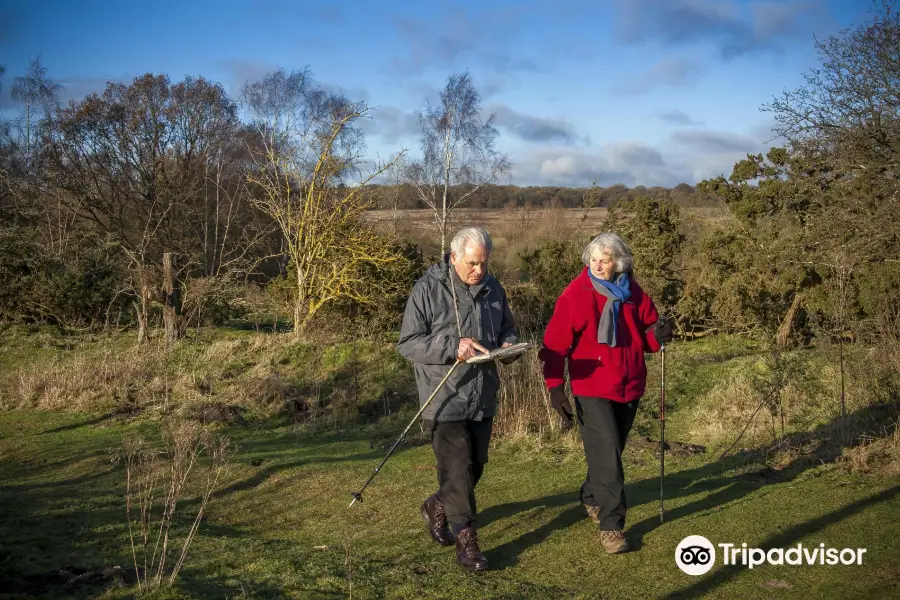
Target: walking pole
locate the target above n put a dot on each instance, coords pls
(358, 495)
(662, 430)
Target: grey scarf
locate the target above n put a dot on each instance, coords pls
(606, 329)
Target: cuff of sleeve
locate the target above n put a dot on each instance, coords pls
(654, 345)
(452, 347)
(553, 382)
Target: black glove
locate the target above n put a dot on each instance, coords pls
(662, 331)
(560, 403)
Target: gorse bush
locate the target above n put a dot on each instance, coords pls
(546, 271)
(80, 288)
(653, 230)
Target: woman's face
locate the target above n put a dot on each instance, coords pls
(602, 265)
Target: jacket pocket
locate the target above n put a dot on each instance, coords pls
(491, 321)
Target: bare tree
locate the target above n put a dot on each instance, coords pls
(137, 165)
(34, 91)
(395, 177)
(457, 150)
(309, 149)
(849, 107)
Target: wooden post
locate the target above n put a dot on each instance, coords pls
(787, 323)
(172, 300)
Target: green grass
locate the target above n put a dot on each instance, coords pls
(280, 526)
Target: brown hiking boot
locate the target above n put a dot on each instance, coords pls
(613, 542)
(593, 512)
(436, 520)
(468, 554)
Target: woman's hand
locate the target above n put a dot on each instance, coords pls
(662, 331)
(560, 403)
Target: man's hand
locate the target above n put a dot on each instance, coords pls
(511, 359)
(560, 403)
(662, 331)
(468, 348)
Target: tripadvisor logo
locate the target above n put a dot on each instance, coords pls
(696, 555)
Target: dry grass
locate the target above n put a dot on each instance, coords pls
(88, 379)
(797, 411)
(267, 375)
(489, 218)
(749, 404)
(516, 228)
(523, 407)
(876, 453)
(156, 482)
(512, 229)
(722, 387)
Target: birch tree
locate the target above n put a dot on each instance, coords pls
(308, 177)
(458, 152)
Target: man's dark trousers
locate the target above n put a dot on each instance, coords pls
(604, 428)
(461, 450)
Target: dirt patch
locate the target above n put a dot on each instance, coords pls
(67, 580)
(214, 412)
(763, 475)
(674, 448)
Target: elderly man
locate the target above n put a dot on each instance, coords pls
(455, 311)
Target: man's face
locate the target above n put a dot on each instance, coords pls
(471, 265)
(602, 265)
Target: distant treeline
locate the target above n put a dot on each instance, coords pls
(489, 196)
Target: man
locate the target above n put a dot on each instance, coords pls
(455, 311)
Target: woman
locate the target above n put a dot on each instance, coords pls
(603, 323)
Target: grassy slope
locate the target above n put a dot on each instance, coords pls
(280, 526)
(61, 504)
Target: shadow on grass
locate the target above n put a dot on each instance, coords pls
(267, 472)
(66, 484)
(723, 488)
(71, 426)
(199, 585)
(507, 555)
(57, 528)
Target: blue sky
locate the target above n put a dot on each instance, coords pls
(640, 92)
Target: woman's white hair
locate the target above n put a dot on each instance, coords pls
(616, 247)
(471, 235)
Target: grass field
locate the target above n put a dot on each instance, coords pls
(491, 218)
(280, 527)
(485, 217)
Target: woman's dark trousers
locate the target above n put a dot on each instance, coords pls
(604, 426)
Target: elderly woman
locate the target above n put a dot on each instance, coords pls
(603, 323)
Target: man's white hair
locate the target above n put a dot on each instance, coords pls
(616, 247)
(468, 236)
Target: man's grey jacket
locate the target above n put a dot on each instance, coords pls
(429, 338)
